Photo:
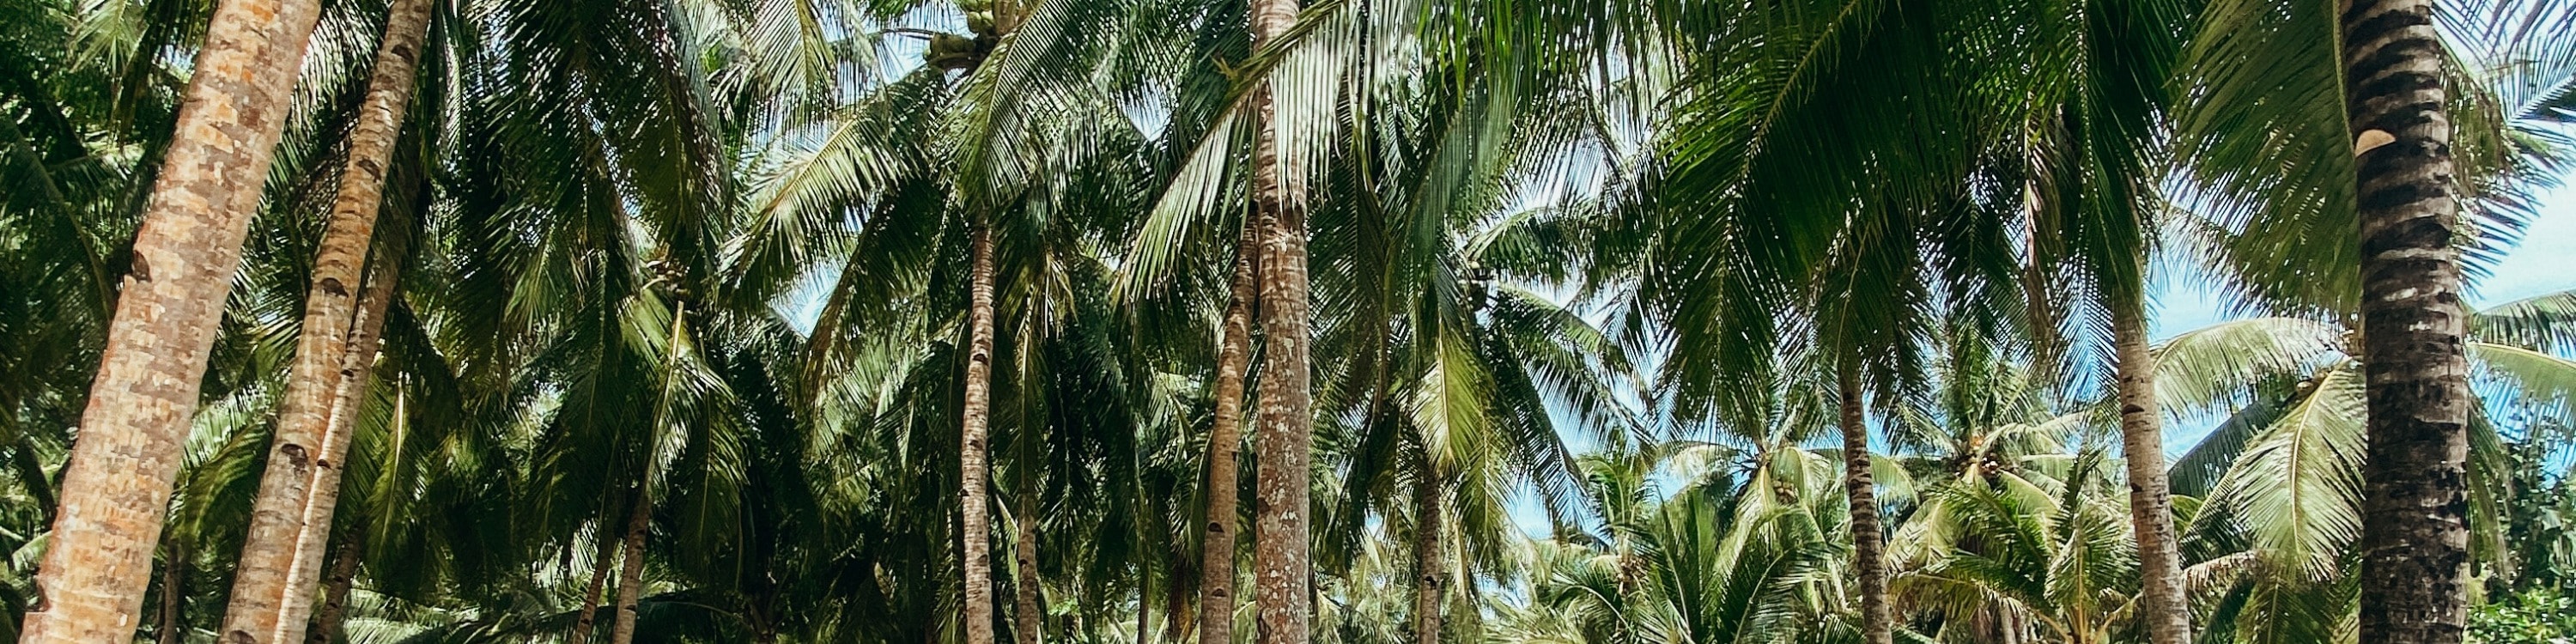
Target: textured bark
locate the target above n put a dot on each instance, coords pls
(1869, 567)
(630, 568)
(1027, 617)
(324, 497)
(1225, 441)
(2414, 537)
(1430, 561)
(2142, 443)
(583, 622)
(267, 580)
(972, 501)
(1282, 568)
(90, 586)
(335, 590)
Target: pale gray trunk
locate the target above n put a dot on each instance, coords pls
(973, 498)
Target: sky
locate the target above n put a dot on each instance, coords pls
(2543, 262)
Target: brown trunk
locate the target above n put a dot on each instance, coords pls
(1282, 568)
(1869, 567)
(1027, 617)
(173, 572)
(630, 568)
(1225, 440)
(263, 607)
(1430, 563)
(335, 591)
(972, 494)
(582, 623)
(2414, 536)
(117, 483)
(2142, 443)
(324, 497)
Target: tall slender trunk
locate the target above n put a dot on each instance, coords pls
(117, 483)
(267, 578)
(2414, 536)
(630, 567)
(972, 498)
(2142, 445)
(1869, 567)
(1282, 564)
(1430, 562)
(1225, 441)
(1028, 618)
(174, 572)
(583, 623)
(324, 496)
(335, 590)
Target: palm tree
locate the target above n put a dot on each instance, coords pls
(2414, 544)
(122, 467)
(270, 592)
(1281, 564)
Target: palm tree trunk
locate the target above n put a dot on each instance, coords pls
(630, 571)
(1225, 440)
(324, 497)
(173, 573)
(1431, 564)
(582, 623)
(1282, 564)
(267, 577)
(1869, 566)
(972, 501)
(335, 591)
(2414, 537)
(1027, 618)
(117, 483)
(2142, 445)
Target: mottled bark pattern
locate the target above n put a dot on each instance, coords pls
(257, 611)
(972, 486)
(630, 562)
(2142, 445)
(2414, 538)
(116, 485)
(335, 590)
(1430, 560)
(1027, 617)
(1225, 440)
(1869, 563)
(1282, 569)
(323, 499)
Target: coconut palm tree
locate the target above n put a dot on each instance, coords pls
(124, 461)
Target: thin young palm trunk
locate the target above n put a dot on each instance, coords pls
(630, 571)
(1024, 548)
(1869, 568)
(174, 571)
(116, 485)
(582, 623)
(266, 577)
(335, 590)
(1430, 561)
(2142, 443)
(1225, 440)
(2414, 537)
(358, 363)
(971, 457)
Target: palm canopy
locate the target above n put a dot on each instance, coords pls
(1582, 274)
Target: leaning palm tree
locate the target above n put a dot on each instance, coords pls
(277, 572)
(126, 455)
